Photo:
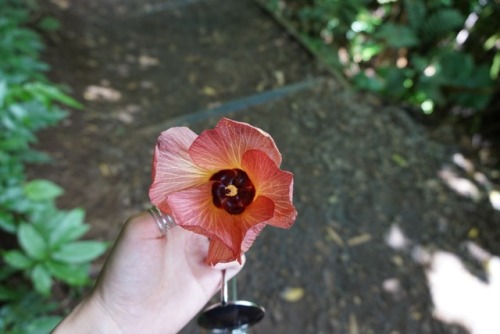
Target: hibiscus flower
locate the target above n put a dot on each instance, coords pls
(225, 184)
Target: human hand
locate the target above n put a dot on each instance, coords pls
(149, 283)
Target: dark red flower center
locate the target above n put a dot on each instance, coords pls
(232, 190)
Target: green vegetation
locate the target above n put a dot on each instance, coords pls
(439, 55)
(39, 244)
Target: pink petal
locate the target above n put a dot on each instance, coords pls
(218, 252)
(173, 169)
(273, 183)
(251, 235)
(193, 209)
(223, 147)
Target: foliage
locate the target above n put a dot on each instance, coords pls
(436, 54)
(40, 244)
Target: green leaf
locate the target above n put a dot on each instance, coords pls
(394, 81)
(69, 228)
(45, 91)
(42, 325)
(8, 293)
(6, 272)
(3, 92)
(372, 83)
(49, 23)
(7, 222)
(397, 36)
(32, 241)
(41, 279)
(441, 23)
(40, 189)
(70, 273)
(79, 251)
(495, 67)
(17, 259)
(416, 11)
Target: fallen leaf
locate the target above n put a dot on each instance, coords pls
(148, 61)
(280, 78)
(334, 236)
(353, 324)
(473, 233)
(101, 93)
(360, 239)
(209, 91)
(399, 160)
(292, 295)
(105, 169)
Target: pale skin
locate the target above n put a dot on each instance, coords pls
(150, 283)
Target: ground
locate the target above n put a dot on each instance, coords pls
(380, 197)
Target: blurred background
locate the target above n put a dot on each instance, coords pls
(387, 113)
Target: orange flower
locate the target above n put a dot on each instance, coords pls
(225, 184)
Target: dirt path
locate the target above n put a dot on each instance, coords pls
(374, 193)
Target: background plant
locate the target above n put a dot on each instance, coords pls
(439, 55)
(39, 244)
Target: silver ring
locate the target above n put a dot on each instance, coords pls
(164, 221)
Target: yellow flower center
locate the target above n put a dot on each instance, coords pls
(231, 190)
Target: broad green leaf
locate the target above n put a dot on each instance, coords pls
(69, 228)
(495, 67)
(6, 272)
(7, 222)
(17, 259)
(70, 273)
(7, 293)
(416, 11)
(3, 92)
(49, 23)
(79, 251)
(40, 189)
(397, 36)
(440, 23)
(394, 81)
(32, 241)
(44, 91)
(373, 83)
(41, 279)
(42, 325)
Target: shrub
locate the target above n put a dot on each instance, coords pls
(435, 54)
(39, 244)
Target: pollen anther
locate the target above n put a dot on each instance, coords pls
(231, 190)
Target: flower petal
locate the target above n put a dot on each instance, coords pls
(273, 183)
(218, 252)
(173, 169)
(223, 147)
(251, 235)
(193, 209)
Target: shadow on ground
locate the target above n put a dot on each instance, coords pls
(382, 207)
